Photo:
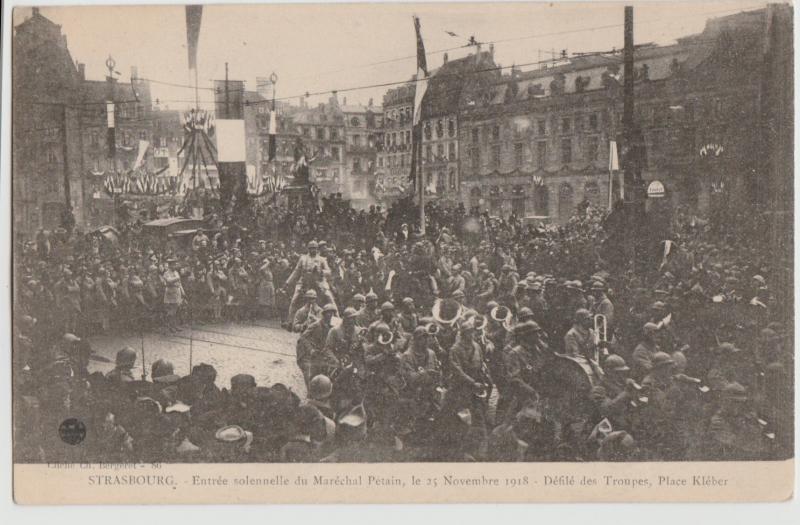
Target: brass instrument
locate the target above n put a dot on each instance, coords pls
(600, 336)
(432, 328)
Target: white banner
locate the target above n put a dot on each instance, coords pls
(230, 141)
(110, 114)
(143, 145)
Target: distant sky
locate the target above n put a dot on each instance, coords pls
(324, 47)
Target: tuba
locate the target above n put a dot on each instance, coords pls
(502, 316)
(447, 312)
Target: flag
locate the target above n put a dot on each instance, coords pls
(194, 14)
(422, 74)
(273, 130)
(111, 138)
(143, 145)
(613, 159)
(419, 94)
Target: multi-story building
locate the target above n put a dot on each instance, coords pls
(441, 115)
(46, 137)
(363, 139)
(322, 133)
(537, 143)
(394, 159)
(133, 137)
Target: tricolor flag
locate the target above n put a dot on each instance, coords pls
(613, 165)
(111, 136)
(273, 130)
(419, 93)
(194, 13)
(422, 74)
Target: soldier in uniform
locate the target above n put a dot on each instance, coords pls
(311, 270)
(173, 294)
(579, 340)
(644, 351)
(370, 313)
(408, 316)
(308, 314)
(123, 369)
(312, 357)
(344, 341)
(734, 431)
(421, 370)
(524, 363)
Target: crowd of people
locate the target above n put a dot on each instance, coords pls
(484, 339)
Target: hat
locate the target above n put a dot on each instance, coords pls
(372, 296)
(597, 285)
(536, 286)
(240, 381)
(387, 306)
(126, 357)
(661, 359)
(458, 294)
(230, 434)
(650, 327)
(728, 348)
(162, 371)
(311, 294)
(320, 387)
(420, 330)
(759, 279)
(408, 301)
(583, 313)
(172, 260)
(734, 392)
(526, 327)
(313, 244)
(358, 298)
(330, 307)
(616, 363)
(525, 313)
(70, 338)
(349, 312)
(658, 305)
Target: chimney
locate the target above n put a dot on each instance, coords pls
(491, 51)
(35, 11)
(344, 101)
(81, 71)
(370, 102)
(444, 59)
(134, 73)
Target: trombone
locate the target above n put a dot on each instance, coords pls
(600, 336)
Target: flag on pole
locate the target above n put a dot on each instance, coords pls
(422, 74)
(194, 14)
(111, 138)
(143, 145)
(613, 165)
(273, 130)
(420, 88)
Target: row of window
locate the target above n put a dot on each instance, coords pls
(429, 127)
(565, 125)
(320, 133)
(591, 152)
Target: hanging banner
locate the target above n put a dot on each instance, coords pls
(143, 145)
(230, 141)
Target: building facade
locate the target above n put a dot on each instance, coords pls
(536, 144)
(321, 131)
(46, 135)
(394, 159)
(363, 139)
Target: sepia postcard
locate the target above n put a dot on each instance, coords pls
(402, 252)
